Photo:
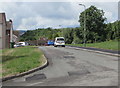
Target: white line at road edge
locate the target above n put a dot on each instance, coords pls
(34, 84)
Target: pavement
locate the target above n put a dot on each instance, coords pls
(72, 67)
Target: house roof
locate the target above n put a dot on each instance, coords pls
(17, 33)
(3, 20)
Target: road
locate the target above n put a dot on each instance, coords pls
(72, 67)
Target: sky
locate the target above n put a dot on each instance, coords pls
(33, 15)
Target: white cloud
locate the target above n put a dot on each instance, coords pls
(31, 15)
(109, 16)
(59, 0)
(39, 21)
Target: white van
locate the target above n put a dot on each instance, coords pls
(59, 41)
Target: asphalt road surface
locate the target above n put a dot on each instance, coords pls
(72, 67)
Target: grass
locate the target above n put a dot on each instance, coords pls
(18, 60)
(111, 45)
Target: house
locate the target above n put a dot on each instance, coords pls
(6, 32)
(9, 33)
(16, 36)
(2, 31)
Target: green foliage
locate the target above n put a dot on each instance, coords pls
(112, 45)
(39, 33)
(94, 24)
(68, 35)
(112, 30)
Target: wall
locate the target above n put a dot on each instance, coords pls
(0, 36)
(2, 31)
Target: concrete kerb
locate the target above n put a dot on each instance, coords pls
(105, 53)
(27, 72)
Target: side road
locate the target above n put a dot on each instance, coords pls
(97, 50)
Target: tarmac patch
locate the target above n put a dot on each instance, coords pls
(82, 72)
(68, 56)
(36, 77)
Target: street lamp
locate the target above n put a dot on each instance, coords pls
(84, 24)
(62, 30)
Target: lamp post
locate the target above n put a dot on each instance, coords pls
(62, 30)
(84, 24)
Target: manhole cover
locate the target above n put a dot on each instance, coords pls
(82, 72)
(36, 77)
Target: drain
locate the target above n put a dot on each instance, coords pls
(82, 72)
(36, 77)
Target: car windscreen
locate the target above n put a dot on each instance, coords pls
(50, 41)
(20, 43)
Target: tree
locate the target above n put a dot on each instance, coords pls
(55, 35)
(112, 30)
(68, 35)
(94, 23)
(77, 35)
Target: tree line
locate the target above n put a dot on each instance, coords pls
(97, 30)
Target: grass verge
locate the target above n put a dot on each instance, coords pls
(18, 60)
(110, 45)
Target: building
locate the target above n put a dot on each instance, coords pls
(2, 31)
(6, 32)
(16, 36)
(9, 33)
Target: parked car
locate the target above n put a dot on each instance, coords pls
(17, 45)
(20, 44)
(50, 42)
(23, 43)
(59, 41)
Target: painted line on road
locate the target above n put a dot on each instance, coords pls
(34, 84)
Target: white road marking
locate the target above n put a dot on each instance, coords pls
(34, 84)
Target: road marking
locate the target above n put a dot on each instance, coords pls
(34, 84)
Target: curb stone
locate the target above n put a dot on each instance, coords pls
(27, 72)
(96, 51)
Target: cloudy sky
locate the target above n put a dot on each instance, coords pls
(32, 15)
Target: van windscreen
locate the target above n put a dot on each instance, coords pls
(60, 39)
